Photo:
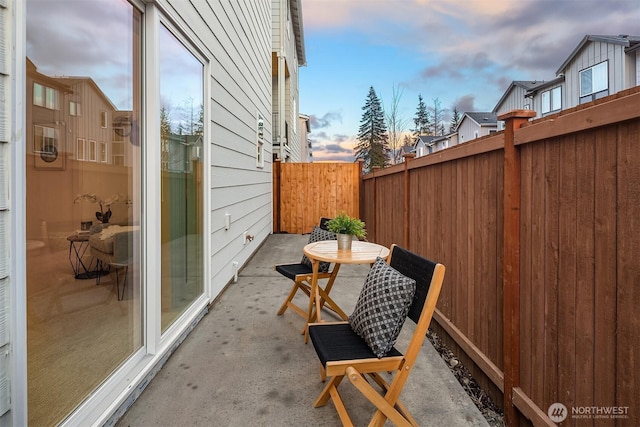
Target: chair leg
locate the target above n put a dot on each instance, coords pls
(124, 281)
(288, 303)
(325, 394)
(385, 409)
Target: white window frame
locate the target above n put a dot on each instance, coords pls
(102, 152)
(552, 100)
(91, 150)
(598, 79)
(45, 96)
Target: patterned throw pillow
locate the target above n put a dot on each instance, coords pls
(318, 235)
(382, 307)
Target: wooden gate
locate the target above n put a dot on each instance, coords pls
(305, 192)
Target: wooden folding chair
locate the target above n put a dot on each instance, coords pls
(342, 352)
(302, 273)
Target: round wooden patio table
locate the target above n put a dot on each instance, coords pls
(327, 251)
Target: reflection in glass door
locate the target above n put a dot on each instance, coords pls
(84, 311)
(182, 126)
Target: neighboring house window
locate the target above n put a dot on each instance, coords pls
(80, 149)
(475, 134)
(103, 119)
(45, 141)
(527, 106)
(102, 153)
(74, 108)
(44, 96)
(552, 100)
(91, 151)
(594, 82)
(420, 151)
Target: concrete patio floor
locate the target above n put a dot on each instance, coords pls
(243, 365)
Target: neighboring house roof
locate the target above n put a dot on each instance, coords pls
(296, 20)
(407, 149)
(623, 39)
(425, 139)
(527, 85)
(482, 118)
(545, 85)
(74, 80)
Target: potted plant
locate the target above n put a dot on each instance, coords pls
(346, 227)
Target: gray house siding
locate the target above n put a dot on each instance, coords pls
(593, 53)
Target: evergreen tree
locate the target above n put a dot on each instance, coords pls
(455, 120)
(421, 119)
(373, 141)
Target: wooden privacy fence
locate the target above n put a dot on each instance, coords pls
(305, 192)
(539, 228)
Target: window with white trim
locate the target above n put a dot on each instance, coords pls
(593, 82)
(74, 108)
(44, 96)
(552, 100)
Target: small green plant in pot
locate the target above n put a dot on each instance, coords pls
(346, 227)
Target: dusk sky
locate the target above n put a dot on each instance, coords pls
(464, 53)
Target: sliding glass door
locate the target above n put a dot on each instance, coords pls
(181, 130)
(83, 164)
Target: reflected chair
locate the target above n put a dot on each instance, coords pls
(364, 352)
(302, 273)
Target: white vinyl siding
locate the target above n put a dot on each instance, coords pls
(594, 53)
(240, 86)
(514, 101)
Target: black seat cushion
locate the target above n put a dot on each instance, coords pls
(334, 342)
(292, 270)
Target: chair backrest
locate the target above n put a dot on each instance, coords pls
(417, 268)
(323, 223)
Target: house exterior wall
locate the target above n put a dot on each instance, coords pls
(591, 54)
(237, 87)
(284, 44)
(468, 129)
(636, 59)
(536, 100)
(515, 101)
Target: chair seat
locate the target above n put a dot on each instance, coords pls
(292, 270)
(334, 342)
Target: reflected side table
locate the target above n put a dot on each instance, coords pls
(84, 265)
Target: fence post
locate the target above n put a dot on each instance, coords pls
(276, 195)
(407, 158)
(511, 262)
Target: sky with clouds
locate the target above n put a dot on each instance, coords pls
(462, 53)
